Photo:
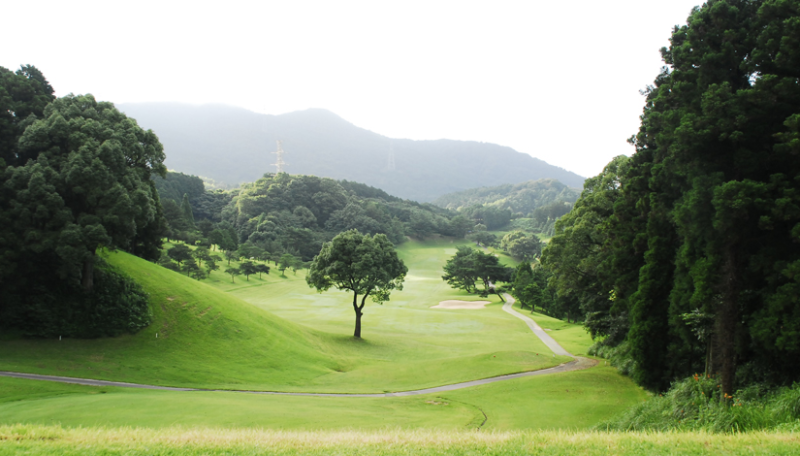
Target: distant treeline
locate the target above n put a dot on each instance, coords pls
(296, 214)
(534, 206)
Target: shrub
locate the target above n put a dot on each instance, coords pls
(116, 305)
(696, 403)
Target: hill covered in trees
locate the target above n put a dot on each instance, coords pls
(234, 145)
(295, 214)
(535, 205)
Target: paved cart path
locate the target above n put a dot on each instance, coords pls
(549, 341)
(577, 364)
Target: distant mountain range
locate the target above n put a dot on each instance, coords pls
(234, 145)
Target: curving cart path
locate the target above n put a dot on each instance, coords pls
(577, 364)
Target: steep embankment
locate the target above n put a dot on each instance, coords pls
(200, 336)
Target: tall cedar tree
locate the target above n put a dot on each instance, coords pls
(714, 175)
(86, 183)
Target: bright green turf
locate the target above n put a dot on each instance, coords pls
(417, 341)
(302, 342)
(213, 340)
(572, 400)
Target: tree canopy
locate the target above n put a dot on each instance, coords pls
(704, 219)
(469, 266)
(23, 97)
(365, 265)
(77, 176)
(87, 183)
(522, 246)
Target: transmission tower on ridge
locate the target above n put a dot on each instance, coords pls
(390, 163)
(279, 163)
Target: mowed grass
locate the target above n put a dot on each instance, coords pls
(292, 339)
(574, 400)
(405, 341)
(200, 337)
(46, 440)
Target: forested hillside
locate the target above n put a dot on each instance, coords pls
(234, 145)
(535, 204)
(286, 214)
(685, 257)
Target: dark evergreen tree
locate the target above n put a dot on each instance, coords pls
(186, 210)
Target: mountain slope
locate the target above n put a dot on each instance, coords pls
(234, 145)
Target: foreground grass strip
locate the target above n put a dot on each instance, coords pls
(36, 440)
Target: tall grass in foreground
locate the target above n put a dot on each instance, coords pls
(696, 403)
(40, 440)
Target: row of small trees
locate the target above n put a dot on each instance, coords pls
(200, 262)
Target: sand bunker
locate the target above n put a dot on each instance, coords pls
(461, 305)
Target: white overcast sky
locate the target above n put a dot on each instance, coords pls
(559, 80)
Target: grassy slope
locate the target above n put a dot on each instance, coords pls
(395, 333)
(206, 338)
(213, 340)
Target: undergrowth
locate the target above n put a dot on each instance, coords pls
(697, 403)
(618, 356)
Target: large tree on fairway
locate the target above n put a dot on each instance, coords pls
(461, 271)
(358, 263)
(469, 265)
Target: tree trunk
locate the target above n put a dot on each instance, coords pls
(357, 309)
(87, 279)
(727, 315)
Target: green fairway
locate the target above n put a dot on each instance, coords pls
(209, 339)
(275, 333)
(573, 400)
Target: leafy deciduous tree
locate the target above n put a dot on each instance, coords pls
(363, 265)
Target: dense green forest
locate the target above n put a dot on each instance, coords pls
(76, 178)
(534, 205)
(295, 214)
(684, 257)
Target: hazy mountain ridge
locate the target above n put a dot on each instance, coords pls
(234, 145)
